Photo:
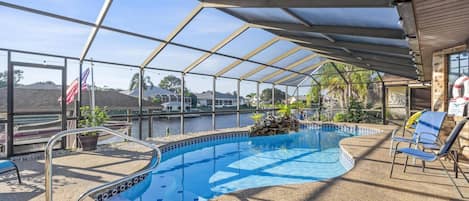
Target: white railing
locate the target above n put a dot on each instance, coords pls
(156, 158)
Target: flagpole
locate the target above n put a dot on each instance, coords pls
(92, 87)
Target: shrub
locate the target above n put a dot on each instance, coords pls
(257, 117)
(285, 110)
(92, 118)
(340, 117)
(355, 111)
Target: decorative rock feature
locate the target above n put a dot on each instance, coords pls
(273, 125)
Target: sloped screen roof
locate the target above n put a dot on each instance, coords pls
(279, 42)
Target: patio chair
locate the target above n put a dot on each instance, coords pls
(444, 151)
(427, 129)
(8, 166)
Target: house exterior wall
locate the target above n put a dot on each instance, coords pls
(440, 99)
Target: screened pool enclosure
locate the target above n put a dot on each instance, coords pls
(166, 67)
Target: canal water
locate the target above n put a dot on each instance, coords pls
(191, 124)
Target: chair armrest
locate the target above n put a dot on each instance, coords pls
(419, 136)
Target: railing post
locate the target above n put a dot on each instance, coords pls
(140, 103)
(63, 102)
(182, 103)
(238, 118)
(258, 97)
(286, 96)
(10, 88)
(150, 126)
(383, 102)
(273, 99)
(213, 102)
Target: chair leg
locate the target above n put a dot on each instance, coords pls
(423, 163)
(395, 148)
(392, 164)
(423, 166)
(458, 167)
(451, 178)
(18, 174)
(405, 164)
(391, 148)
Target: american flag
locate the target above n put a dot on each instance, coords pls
(72, 90)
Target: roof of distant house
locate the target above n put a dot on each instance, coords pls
(150, 92)
(208, 95)
(34, 98)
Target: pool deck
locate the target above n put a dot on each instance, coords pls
(77, 172)
(368, 180)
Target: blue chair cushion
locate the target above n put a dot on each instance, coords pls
(6, 165)
(426, 156)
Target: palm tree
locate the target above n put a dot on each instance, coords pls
(135, 79)
(336, 87)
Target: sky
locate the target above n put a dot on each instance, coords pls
(157, 18)
(26, 31)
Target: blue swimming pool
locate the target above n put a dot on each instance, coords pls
(209, 169)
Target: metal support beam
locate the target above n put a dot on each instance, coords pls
(328, 29)
(183, 85)
(379, 76)
(289, 67)
(238, 90)
(286, 96)
(302, 71)
(95, 29)
(296, 3)
(345, 44)
(320, 103)
(366, 55)
(273, 98)
(340, 73)
(297, 100)
(271, 62)
(140, 104)
(383, 102)
(408, 73)
(258, 96)
(79, 95)
(10, 106)
(213, 102)
(247, 56)
(305, 23)
(217, 47)
(172, 35)
(63, 102)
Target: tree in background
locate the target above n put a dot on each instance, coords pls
(146, 82)
(266, 95)
(17, 76)
(251, 99)
(172, 83)
(336, 87)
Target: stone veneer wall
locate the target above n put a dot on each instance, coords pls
(440, 99)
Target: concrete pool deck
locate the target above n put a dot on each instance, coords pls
(368, 180)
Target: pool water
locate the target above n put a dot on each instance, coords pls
(206, 170)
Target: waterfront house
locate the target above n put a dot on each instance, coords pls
(204, 99)
(161, 97)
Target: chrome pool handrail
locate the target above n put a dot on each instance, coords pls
(48, 159)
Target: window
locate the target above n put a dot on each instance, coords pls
(458, 65)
